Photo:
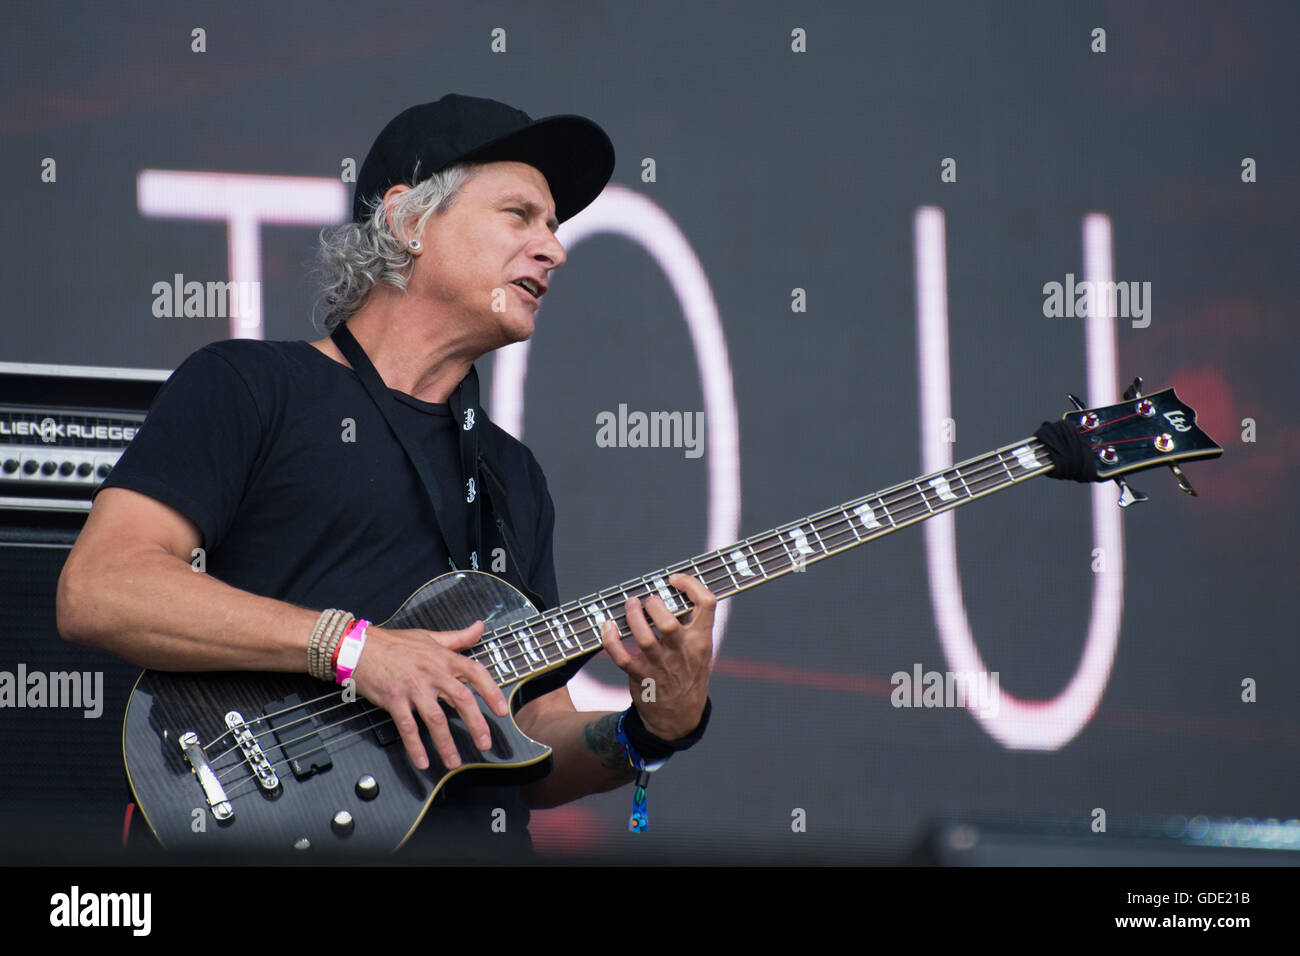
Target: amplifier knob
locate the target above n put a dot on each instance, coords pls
(104, 470)
(30, 466)
(49, 468)
(84, 469)
(11, 465)
(67, 468)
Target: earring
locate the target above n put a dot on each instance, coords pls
(414, 245)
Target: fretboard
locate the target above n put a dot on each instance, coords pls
(573, 629)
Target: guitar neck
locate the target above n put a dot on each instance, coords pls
(573, 629)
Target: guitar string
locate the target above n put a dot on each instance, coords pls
(905, 508)
(810, 520)
(912, 500)
(310, 718)
(850, 536)
(991, 466)
(252, 777)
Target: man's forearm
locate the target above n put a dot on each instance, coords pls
(586, 753)
(155, 610)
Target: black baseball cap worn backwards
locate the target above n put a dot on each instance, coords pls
(573, 153)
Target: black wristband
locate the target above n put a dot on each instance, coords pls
(652, 748)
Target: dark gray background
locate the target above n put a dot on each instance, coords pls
(794, 170)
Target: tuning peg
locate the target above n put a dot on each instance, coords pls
(1078, 405)
(1183, 483)
(1134, 390)
(1127, 496)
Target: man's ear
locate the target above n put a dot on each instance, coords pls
(395, 227)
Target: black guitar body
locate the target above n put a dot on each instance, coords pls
(318, 746)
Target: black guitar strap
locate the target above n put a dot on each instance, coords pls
(465, 411)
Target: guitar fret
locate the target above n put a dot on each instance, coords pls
(801, 547)
(597, 616)
(526, 640)
(1026, 459)
(1003, 462)
(957, 472)
(742, 563)
(884, 510)
(921, 491)
(734, 583)
(817, 535)
(867, 516)
(943, 489)
(557, 628)
(849, 522)
(665, 595)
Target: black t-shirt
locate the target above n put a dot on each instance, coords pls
(302, 493)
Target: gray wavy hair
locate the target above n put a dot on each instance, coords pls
(354, 257)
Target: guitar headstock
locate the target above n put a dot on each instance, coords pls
(1142, 432)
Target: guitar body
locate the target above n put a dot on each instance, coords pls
(331, 745)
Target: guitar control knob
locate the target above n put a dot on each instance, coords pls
(342, 823)
(367, 787)
(302, 843)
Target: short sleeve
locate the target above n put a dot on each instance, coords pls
(198, 445)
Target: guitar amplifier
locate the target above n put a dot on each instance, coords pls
(62, 429)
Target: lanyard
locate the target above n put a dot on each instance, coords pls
(465, 411)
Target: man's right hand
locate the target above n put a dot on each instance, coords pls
(407, 672)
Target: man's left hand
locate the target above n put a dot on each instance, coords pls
(678, 661)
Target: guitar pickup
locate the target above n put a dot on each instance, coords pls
(295, 730)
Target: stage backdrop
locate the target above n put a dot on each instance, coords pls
(831, 242)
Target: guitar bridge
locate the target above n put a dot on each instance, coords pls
(213, 792)
(252, 751)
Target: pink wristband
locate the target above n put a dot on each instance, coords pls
(350, 651)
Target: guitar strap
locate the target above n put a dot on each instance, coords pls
(465, 410)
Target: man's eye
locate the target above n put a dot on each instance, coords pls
(522, 213)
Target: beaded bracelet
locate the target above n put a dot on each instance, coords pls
(329, 645)
(320, 647)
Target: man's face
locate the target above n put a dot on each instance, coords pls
(499, 231)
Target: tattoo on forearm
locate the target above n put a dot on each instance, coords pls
(602, 739)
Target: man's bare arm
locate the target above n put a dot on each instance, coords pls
(128, 589)
(586, 754)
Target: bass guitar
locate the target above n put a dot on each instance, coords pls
(259, 762)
